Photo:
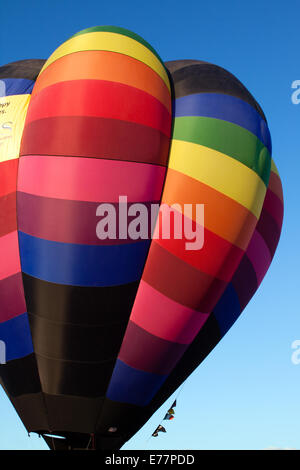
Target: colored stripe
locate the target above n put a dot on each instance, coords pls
(16, 86)
(17, 337)
(9, 244)
(84, 379)
(244, 281)
(227, 108)
(99, 98)
(87, 179)
(274, 168)
(8, 220)
(227, 138)
(105, 65)
(182, 189)
(227, 309)
(8, 176)
(164, 318)
(82, 343)
(191, 77)
(82, 265)
(180, 281)
(275, 186)
(148, 353)
(128, 385)
(269, 230)
(259, 255)
(96, 138)
(75, 221)
(68, 304)
(219, 171)
(217, 258)
(106, 41)
(12, 302)
(25, 377)
(118, 30)
(274, 206)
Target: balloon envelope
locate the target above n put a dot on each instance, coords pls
(103, 329)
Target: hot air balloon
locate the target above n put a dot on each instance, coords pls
(103, 329)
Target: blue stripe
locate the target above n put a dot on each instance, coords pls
(15, 86)
(16, 336)
(82, 265)
(227, 309)
(225, 107)
(129, 385)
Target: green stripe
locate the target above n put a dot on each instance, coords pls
(227, 138)
(125, 32)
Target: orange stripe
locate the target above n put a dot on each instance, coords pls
(222, 215)
(105, 65)
(275, 185)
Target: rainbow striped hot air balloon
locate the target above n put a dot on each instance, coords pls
(114, 324)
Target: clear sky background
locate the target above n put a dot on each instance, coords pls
(245, 395)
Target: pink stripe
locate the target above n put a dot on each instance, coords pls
(259, 255)
(90, 179)
(9, 255)
(162, 317)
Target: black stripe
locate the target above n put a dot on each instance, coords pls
(190, 77)
(80, 343)
(20, 376)
(28, 69)
(97, 306)
(74, 378)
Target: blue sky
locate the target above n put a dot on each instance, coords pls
(246, 393)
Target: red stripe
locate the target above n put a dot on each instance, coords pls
(96, 138)
(8, 176)
(218, 257)
(180, 281)
(100, 98)
(275, 185)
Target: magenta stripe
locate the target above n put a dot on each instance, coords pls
(165, 318)
(274, 206)
(71, 221)
(148, 353)
(9, 255)
(89, 179)
(12, 301)
(259, 255)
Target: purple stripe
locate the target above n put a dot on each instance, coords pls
(69, 221)
(12, 301)
(244, 281)
(269, 230)
(274, 206)
(146, 352)
(259, 255)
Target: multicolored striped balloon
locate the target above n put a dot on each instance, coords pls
(115, 324)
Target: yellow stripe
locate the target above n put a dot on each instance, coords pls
(113, 42)
(274, 167)
(13, 111)
(221, 172)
